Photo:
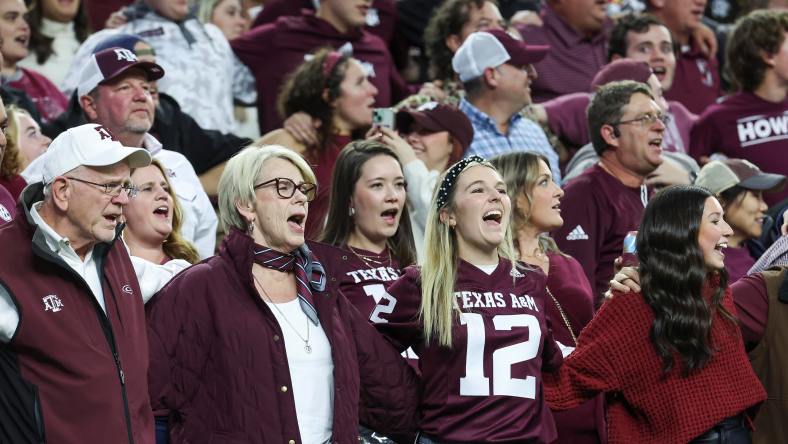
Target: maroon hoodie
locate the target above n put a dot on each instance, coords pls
(275, 50)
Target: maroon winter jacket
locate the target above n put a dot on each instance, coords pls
(218, 363)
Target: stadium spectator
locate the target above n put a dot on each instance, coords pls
(496, 70)
(260, 326)
(577, 32)
(203, 74)
(336, 92)
(672, 354)
(536, 201)
(696, 83)
(450, 25)
(24, 144)
(286, 43)
(777, 253)
(114, 91)
(15, 34)
(368, 225)
(752, 123)
(606, 201)
(435, 136)
(7, 201)
(463, 296)
(154, 218)
(71, 300)
(232, 19)
(739, 186)
(206, 150)
(56, 30)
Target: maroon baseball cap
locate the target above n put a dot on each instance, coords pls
(435, 117)
(109, 63)
(490, 49)
(621, 69)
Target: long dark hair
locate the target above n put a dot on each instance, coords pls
(347, 171)
(673, 275)
(40, 44)
(312, 87)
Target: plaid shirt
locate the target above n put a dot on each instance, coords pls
(775, 256)
(524, 135)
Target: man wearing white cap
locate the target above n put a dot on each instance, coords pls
(72, 323)
(496, 71)
(114, 91)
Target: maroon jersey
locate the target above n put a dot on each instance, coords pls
(283, 45)
(487, 387)
(697, 81)
(598, 212)
(744, 126)
(361, 276)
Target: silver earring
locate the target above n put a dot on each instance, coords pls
(250, 227)
(351, 212)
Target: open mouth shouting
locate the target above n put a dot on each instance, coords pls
(162, 211)
(296, 222)
(390, 216)
(493, 218)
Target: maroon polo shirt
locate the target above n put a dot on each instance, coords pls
(275, 50)
(697, 80)
(744, 126)
(567, 117)
(598, 212)
(752, 308)
(7, 206)
(573, 59)
(738, 261)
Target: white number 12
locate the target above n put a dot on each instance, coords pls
(474, 383)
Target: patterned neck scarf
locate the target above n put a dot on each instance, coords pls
(309, 273)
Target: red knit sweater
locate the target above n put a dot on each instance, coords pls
(616, 356)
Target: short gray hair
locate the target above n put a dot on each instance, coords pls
(236, 186)
(607, 107)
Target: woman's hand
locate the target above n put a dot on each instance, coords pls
(116, 19)
(392, 139)
(303, 128)
(668, 173)
(626, 280)
(433, 90)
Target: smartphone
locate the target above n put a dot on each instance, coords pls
(383, 117)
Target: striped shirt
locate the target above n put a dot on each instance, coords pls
(524, 135)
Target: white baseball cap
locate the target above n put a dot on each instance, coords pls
(89, 145)
(490, 49)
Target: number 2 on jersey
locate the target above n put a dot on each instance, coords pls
(475, 383)
(384, 302)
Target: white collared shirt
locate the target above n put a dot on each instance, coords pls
(61, 246)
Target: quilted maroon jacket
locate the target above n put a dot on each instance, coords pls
(218, 365)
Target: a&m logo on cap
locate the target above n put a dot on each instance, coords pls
(125, 54)
(105, 133)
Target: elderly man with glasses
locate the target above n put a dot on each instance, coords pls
(607, 200)
(72, 321)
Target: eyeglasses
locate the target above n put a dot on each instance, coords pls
(113, 188)
(646, 119)
(285, 188)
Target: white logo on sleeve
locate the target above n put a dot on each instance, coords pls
(5, 214)
(52, 303)
(577, 234)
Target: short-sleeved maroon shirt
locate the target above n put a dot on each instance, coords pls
(744, 126)
(487, 386)
(598, 212)
(697, 81)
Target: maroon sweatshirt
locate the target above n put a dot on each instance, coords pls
(275, 50)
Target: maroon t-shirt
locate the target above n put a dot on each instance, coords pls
(275, 50)
(487, 386)
(697, 80)
(737, 261)
(50, 102)
(567, 117)
(744, 126)
(7, 206)
(361, 276)
(598, 212)
(752, 308)
(322, 164)
(567, 282)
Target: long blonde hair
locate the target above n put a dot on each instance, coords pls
(439, 270)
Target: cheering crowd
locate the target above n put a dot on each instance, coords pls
(393, 221)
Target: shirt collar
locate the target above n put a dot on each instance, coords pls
(151, 144)
(58, 244)
(480, 118)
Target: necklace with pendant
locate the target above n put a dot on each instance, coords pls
(307, 347)
(375, 259)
